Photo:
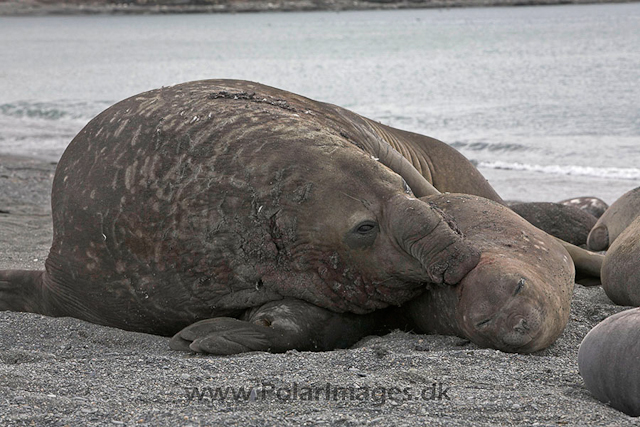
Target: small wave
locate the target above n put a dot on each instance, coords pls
(50, 110)
(482, 146)
(611, 173)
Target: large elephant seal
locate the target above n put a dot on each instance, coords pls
(608, 361)
(615, 219)
(247, 217)
(518, 297)
(620, 274)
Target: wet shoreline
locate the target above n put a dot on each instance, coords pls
(140, 7)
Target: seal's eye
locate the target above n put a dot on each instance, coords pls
(366, 227)
(362, 235)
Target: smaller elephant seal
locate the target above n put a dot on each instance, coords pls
(608, 361)
(620, 273)
(591, 205)
(518, 297)
(566, 222)
(613, 222)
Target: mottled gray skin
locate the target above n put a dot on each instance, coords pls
(263, 213)
(591, 205)
(518, 297)
(608, 361)
(621, 267)
(565, 222)
(615, 219)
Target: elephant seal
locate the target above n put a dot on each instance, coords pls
(620, 274)
(566, 222)
(615, 219)
(591, 205)
(246, 217)
(518, 297)
(608, 361)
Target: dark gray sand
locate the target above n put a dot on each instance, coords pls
(68, 372)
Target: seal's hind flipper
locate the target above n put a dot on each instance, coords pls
(587, 263)
(20, 290)
(277, 326)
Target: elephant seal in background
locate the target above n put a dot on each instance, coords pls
(591, 205)
(613, 222)
(620, 274)
(518, 297)
(248, 218)
(608, 361)
(566, 222)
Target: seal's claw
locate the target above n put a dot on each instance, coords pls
(179, 344)
(231, 343)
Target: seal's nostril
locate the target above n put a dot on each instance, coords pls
(263, 322)
(521, 327)
(519, 286)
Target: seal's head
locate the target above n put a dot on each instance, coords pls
(509, 314)
(350, 234)
(517, 298)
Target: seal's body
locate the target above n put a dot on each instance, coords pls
(564, 221)
(608, 361)
(227, 200)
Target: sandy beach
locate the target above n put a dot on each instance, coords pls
(63, 371)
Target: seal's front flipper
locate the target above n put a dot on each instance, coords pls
(276, 327)
(222, 335)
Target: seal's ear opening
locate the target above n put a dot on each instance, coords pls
(362, 235)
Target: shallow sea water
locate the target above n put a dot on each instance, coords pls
(543, 99)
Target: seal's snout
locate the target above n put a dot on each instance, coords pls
(467, 259)
(511, 333)
(519, 331)
(426, 233)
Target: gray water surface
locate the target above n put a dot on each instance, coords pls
(544, 99)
